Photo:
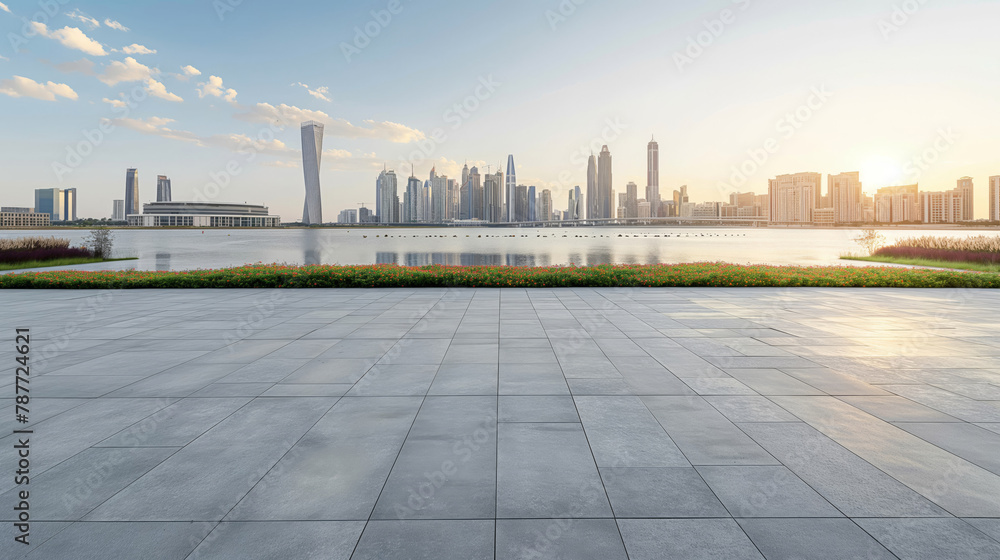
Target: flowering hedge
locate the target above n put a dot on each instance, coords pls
(393, 276)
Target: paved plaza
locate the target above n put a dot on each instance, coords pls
(512, 424)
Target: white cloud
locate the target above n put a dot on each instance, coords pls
(72, 38)
(236, 142)
(84, 66)
(136, 48)
(213, 87)
(157, 89)
(156, 126)
(130, 70)
(114, 102)
(115, 25)
(319, 93)
(281, 163)
(4, 7)
(83, 18)
(288, 115)
(2, 57)
(190, 70)
(20, 86)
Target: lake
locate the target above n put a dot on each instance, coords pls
(181, 249)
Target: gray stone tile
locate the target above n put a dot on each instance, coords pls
(599, 387)
(848, 482)
(660, 492)
(897, 409)
(123, 541)
(704, 435)
(465, 379)
(394, 380)
(422, 539)
(690, 539)
(556, 539)
(765, 492)
(74, 487)
(177, 382)
(39, 532)
(772, 382)
(815, 539)
(331, 370)
(547, 471)
(221, 390)
(337, 469)
(537, 409)
(990, 527)
(968, 441)
(80, 386)
(718, 386)
(265, 370)
(750, 409)
(219, 468)
(307, 390)
(941, 539)
(532, 379)
(623, 433)
(176, 425)
(318, 540)
(447, 466)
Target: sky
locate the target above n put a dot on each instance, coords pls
(211, 94)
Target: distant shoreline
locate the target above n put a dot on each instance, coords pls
(942, 227)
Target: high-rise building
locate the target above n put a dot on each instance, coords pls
(493, 198)
(644, 209)
(131, 191)
(593, 198)
(847, 197)
(411, 199)
(581, 209)
(995, 198)
(792, 198)
(118, 211)
(475, 194)
(387, 198)
(653, 177)
(531, 204)
(51, 202)
(163, 189)
(349, 216)
(942, 207)
(312, 155)
(604, 183)
(631, 200)
(510, 189)
(680, 199)
(520, 203)
(544, 208)
(69, 204)
(897, 204)
(968, 198)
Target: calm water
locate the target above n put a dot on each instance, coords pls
(193, 249)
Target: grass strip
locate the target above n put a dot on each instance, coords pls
(393, 276)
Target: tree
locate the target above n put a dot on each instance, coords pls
(100, 240)
(871, 240)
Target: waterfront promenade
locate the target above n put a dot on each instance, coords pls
(510, 424)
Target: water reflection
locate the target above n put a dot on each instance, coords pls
(312, 247)
(162, 261)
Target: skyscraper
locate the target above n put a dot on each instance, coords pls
(580, 211)
(312, 155)
(606, 204)
(163, 189)
(593, 197)
(792, 198)
(653, 177)
(847, 197)
(131, 191)
(531, 217)
(968, 195)
(411, 199)
(69, 204)
(118, 211)
(544, 206)
(51, 202)
(387, 197)
(510, 188)
(631, 200)
(493, 198)
(995, 198)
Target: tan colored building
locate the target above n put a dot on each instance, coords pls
(944, 207)
(995, 198)
(846, 197)
(792, 198)
(965, 188)
(24, 219)
(895, 205)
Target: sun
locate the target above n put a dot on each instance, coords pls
(881, 171)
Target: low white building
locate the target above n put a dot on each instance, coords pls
(203, 215)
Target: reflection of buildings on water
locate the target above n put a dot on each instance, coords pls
(386, 258)
(163, 261)
(463, 259)
(313, 253)
(312, 256)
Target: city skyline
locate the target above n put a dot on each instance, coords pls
(879, 105)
